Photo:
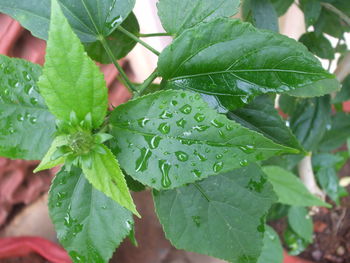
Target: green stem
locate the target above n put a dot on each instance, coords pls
(135, 38)
(338, 12)
(200, 189)
(147, 83)
(155, 35)
(128, 83)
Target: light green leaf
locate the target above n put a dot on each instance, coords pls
(47, 162)
(26, 125)
(106, 176)
(234, 62)
(179, 15)
(221, 216)
(171, 138)
(88, 18)
(89, 224)
(289, 189)
(272, 251)
(300, 222)
(71, 81)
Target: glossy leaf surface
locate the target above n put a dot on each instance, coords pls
(170, 138)
(221, 216)
(289, 189)
(26, 125)
(89, 224)
(234, 62)
(71, 81)
(179, 15)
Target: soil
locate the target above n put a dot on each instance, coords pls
(32, 258)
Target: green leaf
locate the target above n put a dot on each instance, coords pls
(272, 251)
(71, 81)
(119, 43)
(294, 242)
(88, 18)
(323, 86)
(318, 44)
(234, 62)
(221, 216)
(171, 138)
(344, 93)
(261, 116)
(289, 189)
(106, 176)
(176, 16)
(282, 6)
(89, 224)
(47, 162)
(264, 15)
(312, 10)
(310, 120)
(26, 125)
(300, 222)
(330, 23)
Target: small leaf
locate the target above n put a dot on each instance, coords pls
(289, 189)
(264, 15)
(344, 93)
(318, 44)
(300, 222)
(294, 242)
(221, 216)
(47, 162)
(234, 61)
(106, 176)
(272, 251)
(89, 224)
(170, 138)
(176, 16)
(26, 125)
(71, 81)
(312, 11)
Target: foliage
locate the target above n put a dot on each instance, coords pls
(201, 139)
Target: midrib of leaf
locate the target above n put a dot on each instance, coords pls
(90, 16)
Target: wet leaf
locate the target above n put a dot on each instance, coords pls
(300, 222)
(272, 251)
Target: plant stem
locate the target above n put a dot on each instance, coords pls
(132, 36)
(338, 12)
(155, 35)
(147, 83)
(128, 83)
(200, 189)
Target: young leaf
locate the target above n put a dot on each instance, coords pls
(221, 216)
(261, 116)
(289, 189)
(272, 251)
(106, 176)
(318, 44)
(89, 224)
(26, 125)
(71, 82)
(170, 138)
(234, 62)
(176, 16)
(47, 162)
(300, 222)
(82, 15)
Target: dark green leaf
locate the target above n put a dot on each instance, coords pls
(289, 189)
(119, 43)
(277, 211)
(282, 6)
(170, 138)
(272, 251)
(300, 222)
(71, 81)
(179, 15)
(294, 242)
(89, 18)
(26, 125)
(312, 10)
(234, 62)
(344, 93)
(89, 225)
(261, 116)
(310, 119)
(264, 15)
(318, 44)
(330, 23)
(222, 216)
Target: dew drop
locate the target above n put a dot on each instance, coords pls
(197, 97)
(166, 115)
(187, 109)
(181, 156)
(222, 134)
(164, 128)
(197, 173)
(181, 123)
(201, 157)
(229, 127)
(243, 163)
(142, 122)
(115, 21)
(76, 257)
(34, 101)
(28, 89)
(218, 167)
(201, 128)
(12, 130)
(199, 117)
(153, 142)
(165, 168)
(219, 156)
(247, 149)
(196, 220)
(142, 161)
(6, 92)
(174, 102)
(20, 117)
(217, 123)
(26, 76)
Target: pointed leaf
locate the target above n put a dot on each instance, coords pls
(176, 16)
(234, 62)
(221, 216)
(106, 176)
(89, 224)
(318, 44)
(282, 6)
(26, 125)
(272, 251)
(289, 189)
(71, 82)
(170, 138)
(300, 222)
